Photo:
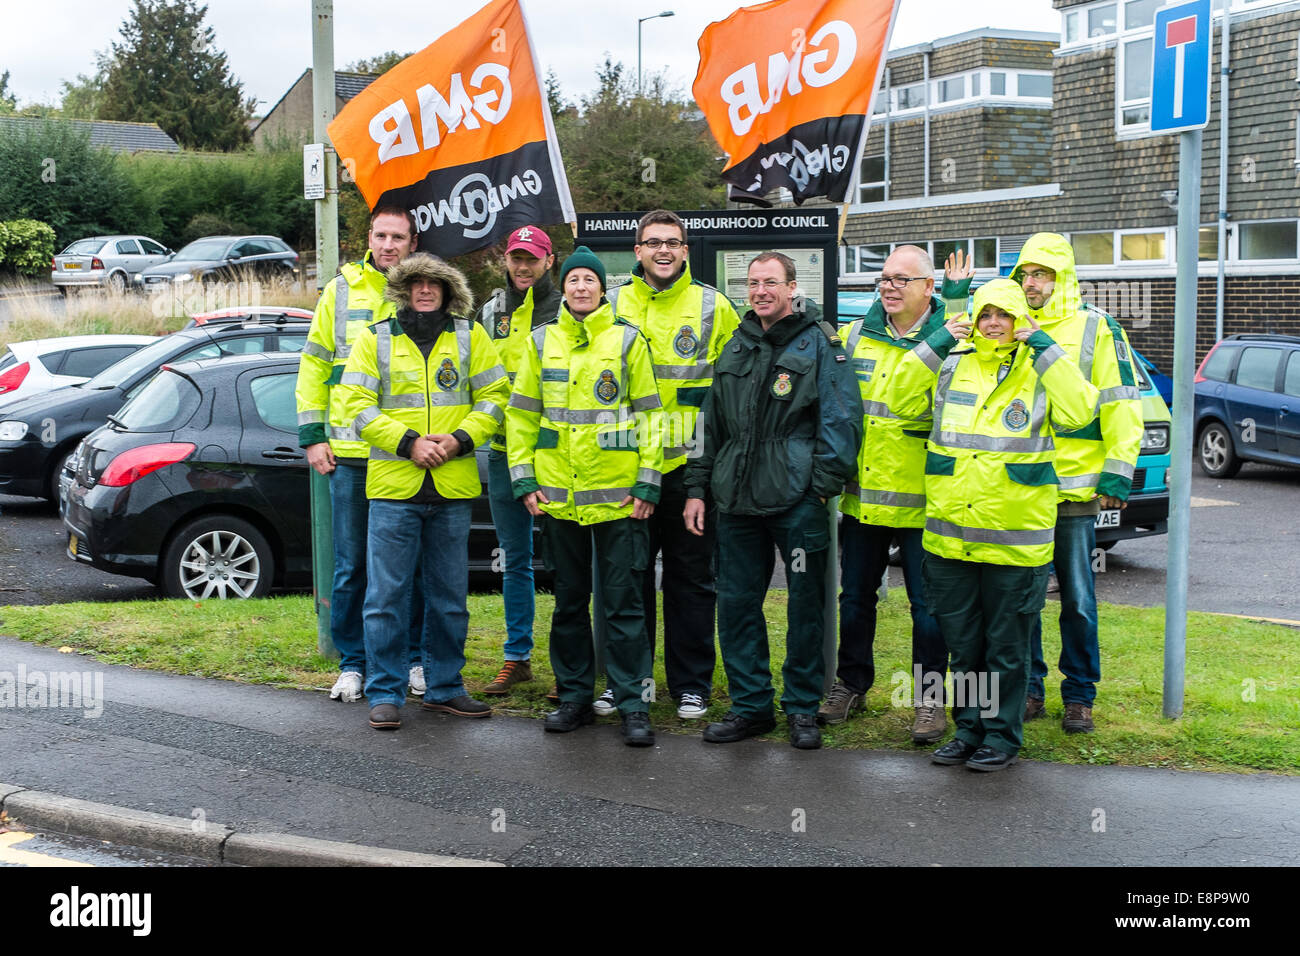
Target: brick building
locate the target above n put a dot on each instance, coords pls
(290, 119)
(1032, 131)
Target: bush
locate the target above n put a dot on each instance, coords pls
(26, 246)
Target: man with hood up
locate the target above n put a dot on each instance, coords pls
(990, 491)
(423, 389)
(529, 299)
(1095, 464)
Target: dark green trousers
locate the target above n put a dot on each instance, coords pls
(985, 612)
(745, 563)
(619, 550)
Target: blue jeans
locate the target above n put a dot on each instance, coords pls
(864, 556)
(350, 511)
(514, 526)
(429, 542)
(1076, 539)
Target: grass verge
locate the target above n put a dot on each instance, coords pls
(1242, 710)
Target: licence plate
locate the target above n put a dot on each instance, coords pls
(72, 544)
(71, 265)
(1107, 519)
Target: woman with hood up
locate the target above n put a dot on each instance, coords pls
(999, 390)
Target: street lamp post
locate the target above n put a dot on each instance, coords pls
(666, 13)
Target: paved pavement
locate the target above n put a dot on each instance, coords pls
(256, 758)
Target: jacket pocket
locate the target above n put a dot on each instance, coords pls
(692, 396)
(790, 371)
(547, 438)
(936, 464)
(1040, 473)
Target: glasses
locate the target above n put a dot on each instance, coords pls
(1037, 275)
(767, 285)
(899, 282)
(657, 243)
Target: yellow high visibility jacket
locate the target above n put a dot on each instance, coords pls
(356, 293)
(990, 484)
(889, 489)
(687, 325)
(509, 320)
(389, 389)
(1099, 458)
(582, 424)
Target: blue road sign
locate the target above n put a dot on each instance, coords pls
(1180, 67)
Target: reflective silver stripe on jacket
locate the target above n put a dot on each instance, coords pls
(985, 443)
(520, 472)
(458, 397)
(1075, 482)
(341, 347)
(612, 298)
(1089, 344)
(1038, 416)
(600, 496)
(878, 409)
(647, 403)
(941, 388)
(579, 416)
(464, 330)
(675, 452)
(527, 403)
(378, 454)
(629, 336)
(928, 356)
(855, 333)
(557, 496)
(1120, 393)
(700, 370)
(318, 351)
(648, 476)
(340, 433)
(539, 339)
(365, 417)
(362, 379)
(401, 401)
(989, 535)
(1049, 356)
(890, 499)
(1113, 466)
(708, 307)
(487, 376)
(313, 417)
(492, 408)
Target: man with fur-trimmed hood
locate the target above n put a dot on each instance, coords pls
(423, 388)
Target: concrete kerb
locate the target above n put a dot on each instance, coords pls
(200, 839)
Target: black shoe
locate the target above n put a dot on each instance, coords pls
(986, 758)
(385, 717)
(804, 732)
(953, 752)
(733, 727)
(637, 731)
(569, 716)
(462, 706)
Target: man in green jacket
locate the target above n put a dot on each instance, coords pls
(781, 428)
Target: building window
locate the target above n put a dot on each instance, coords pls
(975, 84)
(1071, 28)
(997, 83)
(1207, 244)
(911, 97)
(986, 253)
(1266, 240)
(1135, 83)
(953, 88)
(1093, 248)
(1140, 13)
(1142, 247)
(872, 186)
(1101, 21)
(1034, 84)
(943, 248)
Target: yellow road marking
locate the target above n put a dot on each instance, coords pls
(1212, 503)
(28, 857)
(1266, 620)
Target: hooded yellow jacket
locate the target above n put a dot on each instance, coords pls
(990, 484)
(582, 426)
(1098, 458)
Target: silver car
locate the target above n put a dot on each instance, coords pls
(111, 262)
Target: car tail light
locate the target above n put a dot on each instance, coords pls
(1199, 377)
(96, 263)
(133, 465)
(12, 378)
(54, 263)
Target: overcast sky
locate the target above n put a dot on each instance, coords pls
(269, 41)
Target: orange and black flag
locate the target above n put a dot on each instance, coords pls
(460, 134)
(787, 87)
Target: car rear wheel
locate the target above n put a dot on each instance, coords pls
(116, 283)
(218, 556)
(1215, 452)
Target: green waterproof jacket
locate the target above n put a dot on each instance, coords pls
(782, 419)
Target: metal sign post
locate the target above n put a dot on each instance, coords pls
(1180, 103)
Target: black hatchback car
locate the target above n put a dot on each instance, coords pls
(39, 433)
(198, 484)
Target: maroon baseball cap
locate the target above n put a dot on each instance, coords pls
(532, 240)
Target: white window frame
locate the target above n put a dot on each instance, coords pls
(875, 184)
(1234, 242)
(1165, 231)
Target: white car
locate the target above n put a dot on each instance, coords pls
(111, 262)
(28, 368)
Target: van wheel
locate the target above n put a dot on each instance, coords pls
(1215, 452)
(218, 556)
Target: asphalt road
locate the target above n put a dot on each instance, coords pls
(1245, 553)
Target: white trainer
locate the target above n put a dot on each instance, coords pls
(604, 705)
(347, 688)
(692, 707)
(418, 686)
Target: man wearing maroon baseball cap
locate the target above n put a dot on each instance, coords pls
(528, 300)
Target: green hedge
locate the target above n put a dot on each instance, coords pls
(26, 246)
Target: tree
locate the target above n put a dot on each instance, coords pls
(376, 64)
(83, 97)
(8, 101)
(167, 71)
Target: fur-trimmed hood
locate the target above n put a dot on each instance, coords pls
(420, 265)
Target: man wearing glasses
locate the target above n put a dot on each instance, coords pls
(780, 429)
(687, 324)
(885, 501)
